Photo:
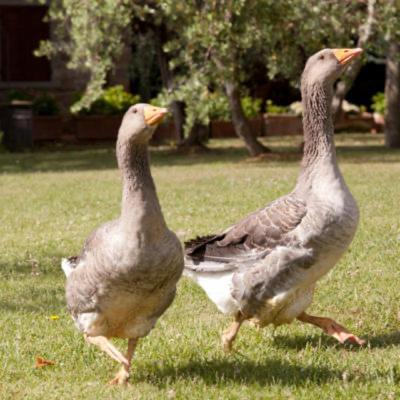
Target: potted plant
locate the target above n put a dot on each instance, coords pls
(354, 118)
(16, 120)
(47, 123)
(102, 120)
(283, 120)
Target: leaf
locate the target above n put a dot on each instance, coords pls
(42, 362)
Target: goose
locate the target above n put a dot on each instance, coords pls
(126, 275)
(265, 268)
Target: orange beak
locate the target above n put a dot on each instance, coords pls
(154, 115)
(345, 55)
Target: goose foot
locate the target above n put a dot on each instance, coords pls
(332, 328)
(121, 378)
(230, 334)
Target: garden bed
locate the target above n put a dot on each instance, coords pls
(226, 129)
(97, 127)
(282, 125)
(47, 128)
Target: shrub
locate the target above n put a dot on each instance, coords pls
(45, 104)
(275, 109)
(296, 108)
(251, 107)
(379, 103)
(114, 100)
(218, 107)
(17, 94)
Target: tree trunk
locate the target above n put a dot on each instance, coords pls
(198, 134)
(343, 87)
(178, 112)
(349, 76)
(392, 95)
(241, 123)
(176, 107)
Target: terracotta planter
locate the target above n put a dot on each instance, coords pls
(355, 123)
(163, 132)
(282, 125)
(225, 129)
(47, 128)
(97, 127)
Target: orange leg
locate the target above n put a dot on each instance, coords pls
(107, 347)
(122, 376)
(331, 328)
(229, 335)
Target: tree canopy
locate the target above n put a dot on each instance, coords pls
(209, 48)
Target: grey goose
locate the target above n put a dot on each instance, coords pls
(265, 268)
(125, 277)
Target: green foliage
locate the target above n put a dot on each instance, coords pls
(275, 109)
(379, 103)
(219, 107)
(92, 34)
(45, 104)
(239, 35)
(18, 94)
(113, 101)
(251, 107)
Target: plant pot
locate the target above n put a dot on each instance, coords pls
(355, 123)
(226, 129)
(379, 119)
(282, 125)
(165, 131)
(97, 127)
(16, 123)
(47, 128)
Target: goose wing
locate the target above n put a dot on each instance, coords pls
(249, 240)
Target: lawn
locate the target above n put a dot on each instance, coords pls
(51, 200)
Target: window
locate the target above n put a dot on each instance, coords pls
(21, 30)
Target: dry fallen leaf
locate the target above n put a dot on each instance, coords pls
(41, 362)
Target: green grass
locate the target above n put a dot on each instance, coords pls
(51, 200)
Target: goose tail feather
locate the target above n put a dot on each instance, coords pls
(68, 265)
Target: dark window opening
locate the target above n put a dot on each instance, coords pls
(21, 30)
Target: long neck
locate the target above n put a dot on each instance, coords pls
(140, 209)
(318, 128)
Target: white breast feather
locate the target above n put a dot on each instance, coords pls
(217, 287)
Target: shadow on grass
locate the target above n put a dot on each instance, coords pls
(324, 342)
(103, 157)
(298, 342)
(35, 300)
(27, 267)
(270, 371)
(384, 339)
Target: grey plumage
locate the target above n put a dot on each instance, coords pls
(126, 275)
(271, 260)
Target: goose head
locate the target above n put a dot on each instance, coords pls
(326, 66)
(139, 123)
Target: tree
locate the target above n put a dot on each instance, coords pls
(92, 34)
(215, 37)
(390, 15)
(392, 95)
(365, 32)
(207, 47)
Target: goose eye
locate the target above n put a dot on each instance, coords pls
(321, 57)
(134, 111)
